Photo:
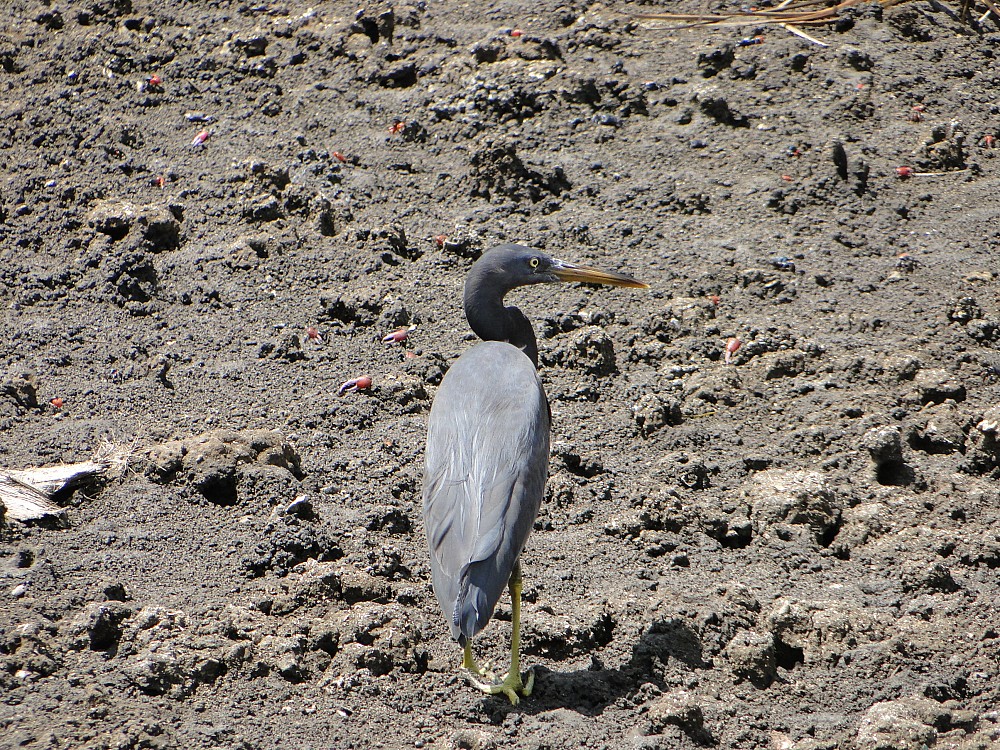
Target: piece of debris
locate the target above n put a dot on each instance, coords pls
(27, 493)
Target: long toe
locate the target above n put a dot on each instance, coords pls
(512, 685)
(529, 683)
(481, 670)
(486, 670)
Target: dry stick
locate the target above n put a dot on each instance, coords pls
(757, 14)
(704, 9)
(936, 174)
(799, 32)
(796, 16)
(992, 8)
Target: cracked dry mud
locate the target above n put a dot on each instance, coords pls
(798, 549)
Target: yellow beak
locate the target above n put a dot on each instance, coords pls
(565, 271)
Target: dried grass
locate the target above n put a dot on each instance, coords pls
(789, 13)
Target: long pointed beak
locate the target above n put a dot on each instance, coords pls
(565, 271)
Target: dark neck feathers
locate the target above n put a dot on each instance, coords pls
(491, 321)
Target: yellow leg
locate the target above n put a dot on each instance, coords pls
(512, 683)
(469, 663)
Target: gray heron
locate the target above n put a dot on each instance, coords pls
(487, 454)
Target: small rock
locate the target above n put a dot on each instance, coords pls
(965, 310)
(713, 62)
(210, 462)
(288, 348)
(114, 592)
(589, 350)
(406, 390)
(714, 104)
(784, 365)
(159, 226)
(990, 423)
(559, 637)
(113, 218)
(857, 59)
(782, 499)
(302, 508)
(935, 386)
(262, 208)
(22, 387)
(287, 541)
(282, 654)
(884, 444)
(938, 429)
(894, 725)
(679, 317)
(99, 626)
(473, 739)
(752, 656)
(679, 708)
(489, 51)
(250, 46)
(652, 412)
(721, 385)
(464, 242)
(934, 576)
(116, 218)
(812, 631)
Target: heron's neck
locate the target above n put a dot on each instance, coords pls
(491, 321)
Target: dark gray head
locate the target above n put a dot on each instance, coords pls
(506, 267)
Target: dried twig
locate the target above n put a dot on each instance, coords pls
(799, 32)
(992, 9)
(798, 13)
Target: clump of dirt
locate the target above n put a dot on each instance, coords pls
(772, 508)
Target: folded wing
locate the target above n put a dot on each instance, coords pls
(485, 470)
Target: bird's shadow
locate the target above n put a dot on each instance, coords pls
(590, 691)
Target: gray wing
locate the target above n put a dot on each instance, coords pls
(485, 470)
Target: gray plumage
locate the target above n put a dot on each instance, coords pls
(486, 466)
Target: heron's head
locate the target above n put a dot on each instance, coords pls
(510, 266)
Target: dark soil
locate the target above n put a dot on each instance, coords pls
(797, 549)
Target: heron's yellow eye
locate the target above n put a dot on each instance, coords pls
(533, 262)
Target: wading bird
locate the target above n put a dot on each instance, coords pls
(488, 454)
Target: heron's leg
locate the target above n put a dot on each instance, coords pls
(515, 586)
(513, 683)
(469, 662)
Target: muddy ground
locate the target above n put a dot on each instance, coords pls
(211, 215)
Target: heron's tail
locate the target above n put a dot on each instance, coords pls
(475, 602)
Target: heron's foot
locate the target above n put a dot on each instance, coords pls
(473, 667)
(482, 670)
(512, 684)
